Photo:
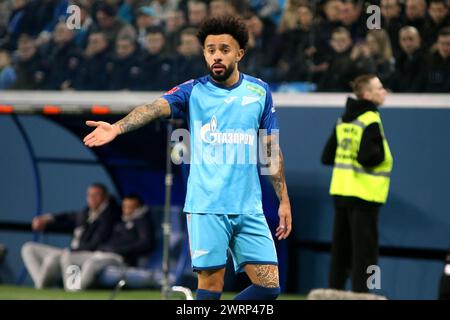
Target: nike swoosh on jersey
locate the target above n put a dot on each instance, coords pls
(199, 253)
(247, 100)
(230, 99)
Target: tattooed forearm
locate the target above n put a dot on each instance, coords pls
(143, 114)
(277, 168)
(278, 179)
(267, 275)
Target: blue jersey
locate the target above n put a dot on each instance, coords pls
(224, 123)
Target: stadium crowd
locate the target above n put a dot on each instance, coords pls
(152, 44)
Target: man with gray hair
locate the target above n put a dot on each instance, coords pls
(409, 65)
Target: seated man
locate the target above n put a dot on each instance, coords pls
(131, 238)
(91, 227)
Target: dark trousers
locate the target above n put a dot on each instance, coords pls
(354, 247)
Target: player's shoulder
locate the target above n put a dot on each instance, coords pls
(196, 81)
(187, 86)
(256, 82)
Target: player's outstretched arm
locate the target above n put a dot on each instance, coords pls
(105, 132)
(278, 179)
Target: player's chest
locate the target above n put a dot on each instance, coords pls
(232, 109)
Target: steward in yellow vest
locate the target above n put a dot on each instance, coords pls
(362, 163)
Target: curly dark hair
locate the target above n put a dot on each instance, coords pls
(227, 24)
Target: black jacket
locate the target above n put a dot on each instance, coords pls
(437, 73)
(93, 75)
(125, 73)
(131, 239)
(62, 63)
(91, 233)
(371, 149)
(410, 72)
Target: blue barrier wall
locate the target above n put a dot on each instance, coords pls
(417, 214)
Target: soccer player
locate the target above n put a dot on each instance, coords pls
(225, 110)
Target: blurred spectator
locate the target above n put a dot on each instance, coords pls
(174, 22)
(188, 62)
(5, 12)
(392, 21)
(289, 18)
(108, 23)
(62, 59)
(47, 14)
(409, 66)
(21, 21)
(221, 7)
(380, 52)
(163, 7)
(7, 73)
(338, 74)
(331, 20)
(133, 235)
(263, 48)
(92, 74)
(267, 9)
(197, 12)
(95, 4)
(438, 65)
(362, 62)
(126, 11)
(27, 65)
(82, 33)
(298, 48)
(124, 70)
(415, 13)
(299, 57)
(157, 67)
(131, 238)
(145, 18)
(353, 20)
(438, 17)
(91, 227)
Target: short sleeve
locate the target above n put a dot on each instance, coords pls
(269, 119)
(178, 99)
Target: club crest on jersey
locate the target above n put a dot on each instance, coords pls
(173, 90)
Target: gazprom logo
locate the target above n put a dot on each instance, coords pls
(210, 135)
(207, 131)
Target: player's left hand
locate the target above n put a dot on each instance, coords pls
(285, 226)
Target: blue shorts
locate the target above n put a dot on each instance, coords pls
(246, 236)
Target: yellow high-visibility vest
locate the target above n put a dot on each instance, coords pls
(350, 178)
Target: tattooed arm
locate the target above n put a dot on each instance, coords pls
(141, 115)
(277, 177)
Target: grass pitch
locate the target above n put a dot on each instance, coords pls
(9, 292)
